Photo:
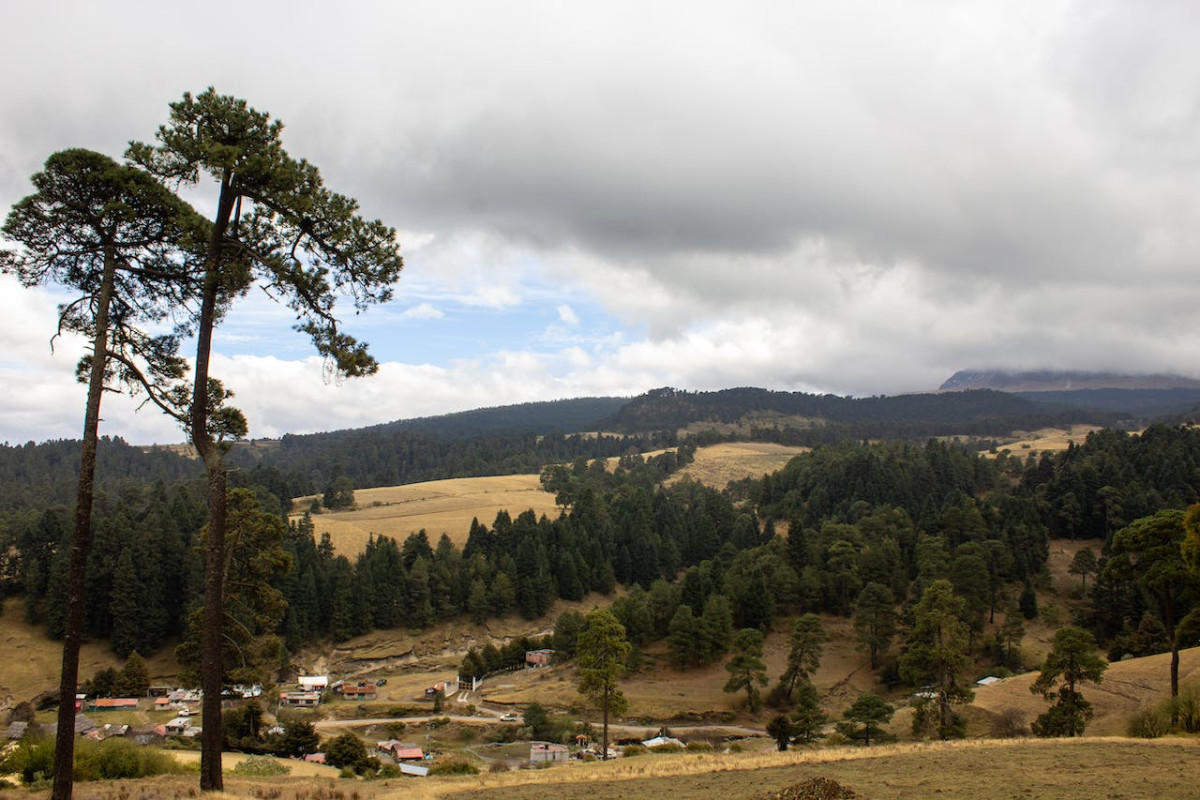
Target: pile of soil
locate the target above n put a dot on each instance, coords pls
(814, 789)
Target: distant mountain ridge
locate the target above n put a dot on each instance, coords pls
(1136, 397)
(1062, 381)
(969, 412)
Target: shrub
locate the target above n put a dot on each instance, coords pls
(1149, 723)
(1009, 724)
(699, 747)
(115, 759)
(667, 747)
(454, 766)
(32, 759)
(1187, 709)
(261, 767)
(634, 750)
(346, 751)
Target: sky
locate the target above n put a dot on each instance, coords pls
(605, 198)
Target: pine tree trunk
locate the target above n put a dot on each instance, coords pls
(81, 537)
(211, 668)
(604, 753)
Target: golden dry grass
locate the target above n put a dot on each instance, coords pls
(994, 770)
(298, 769)
(33, 663)
(1087, 769)
(719, 464)
(448, 506)
(437, 507)
(1046, 439)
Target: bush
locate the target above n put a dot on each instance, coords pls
(1009, 724)
(261, 767)
(115, 759)
(32, 759)
(667, 747)
(346, 751)
(634, 750)
(454, 766)
(699, 747)
(1187, 709)
(1149, 723)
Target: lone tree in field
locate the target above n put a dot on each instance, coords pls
(602, 653)
(864, 720)
(1072, 660)
(746, 668)
(937, 657)
(275, 226)
(111, 235)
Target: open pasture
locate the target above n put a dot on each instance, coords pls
(436, 507)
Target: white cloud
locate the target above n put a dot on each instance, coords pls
(856, 197)
(421, 311)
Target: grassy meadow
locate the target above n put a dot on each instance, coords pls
(448, 506)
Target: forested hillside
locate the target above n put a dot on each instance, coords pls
(527, 437)
(830, 418)
(886, 520)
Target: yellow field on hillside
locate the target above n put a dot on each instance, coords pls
(1047, 439)
(436, 506)
(449, 506)
(716, 466)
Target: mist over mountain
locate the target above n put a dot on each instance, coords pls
(1139, 397)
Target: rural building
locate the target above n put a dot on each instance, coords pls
(359, 691)
(108, 730)
(432, 691)
(401, 751)
(300, 699)
(112, 704)
(538, 658)
(315, 758)
(545, 753)
(415, 770)
(178, 726)
(313, 683)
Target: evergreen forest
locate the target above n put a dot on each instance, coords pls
(847, 527)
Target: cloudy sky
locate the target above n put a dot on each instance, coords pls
(604, 198)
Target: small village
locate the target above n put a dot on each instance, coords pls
(172, 719)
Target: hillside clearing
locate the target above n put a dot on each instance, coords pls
(449, 506)
(719, 464)
(437, 507)
(1046, 440)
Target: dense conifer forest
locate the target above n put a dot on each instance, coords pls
(847, 527)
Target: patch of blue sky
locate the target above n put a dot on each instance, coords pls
(431, 327)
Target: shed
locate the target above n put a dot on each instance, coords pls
(300, 699)
(178, 726)
(310, 683)
(538, 658)
(414, 769)
(113, 704)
